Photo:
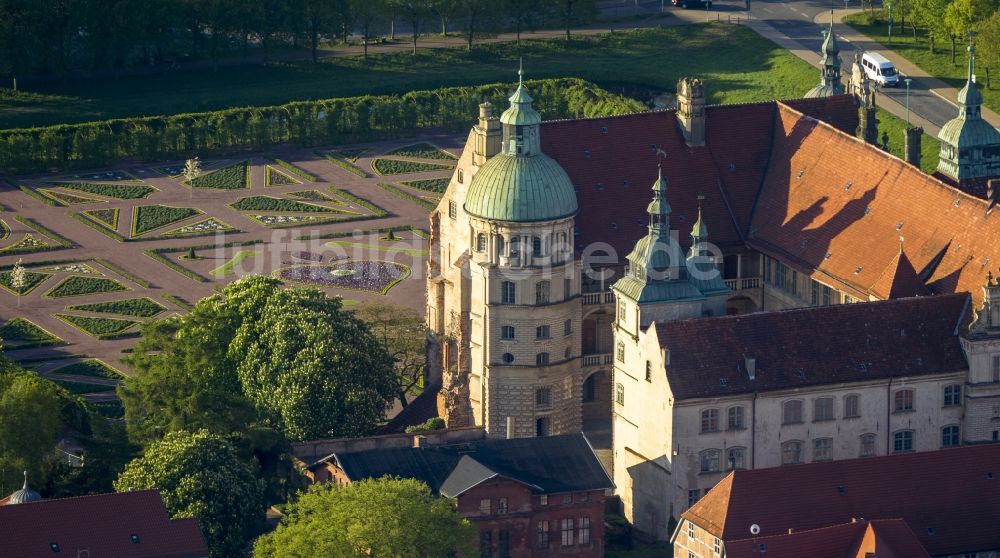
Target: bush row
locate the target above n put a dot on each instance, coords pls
(306, 123)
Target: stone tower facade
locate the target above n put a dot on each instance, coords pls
(982, 349)
(503, 288)
(691, 111)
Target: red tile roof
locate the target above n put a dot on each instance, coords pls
(899, 280)
(949, 498)
(837, 205)
(846, 343)
(887, 538)
(613, 162)
(102, 524)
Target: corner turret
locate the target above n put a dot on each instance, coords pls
(829, 84)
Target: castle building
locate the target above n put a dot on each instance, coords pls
(563, 294)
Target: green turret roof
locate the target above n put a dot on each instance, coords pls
(967, 133)
(520, 113)
(829, 84)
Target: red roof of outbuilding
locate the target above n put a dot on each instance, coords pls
(102, 525)
(949, 498)
(887, 538)
(846, 343)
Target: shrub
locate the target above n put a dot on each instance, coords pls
(25, 333)
(98, 327)
(232, 177)
(432, 424)
(140, 307)
(266, 203)
(92, 367)
(422, 150)
(436, 185)
(83, 387)
(150, 217)
(117, 191)
(396, 166)
(31, 280)
(79, 286)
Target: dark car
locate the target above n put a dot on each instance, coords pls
(692, 3)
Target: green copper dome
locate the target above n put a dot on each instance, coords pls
(829, 84)
(521, 184)
(521, 189)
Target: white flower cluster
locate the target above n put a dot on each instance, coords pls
(208, 225)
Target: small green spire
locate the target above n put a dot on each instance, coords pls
(659, 209)
(699, 232)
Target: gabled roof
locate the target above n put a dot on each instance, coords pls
(834, 204)
(886, 538)
(899, 280)
(612, 160)
(846, 343)
(549, 465)
(948, 498)
(103, 525)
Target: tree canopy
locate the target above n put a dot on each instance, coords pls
(387, 518)
(29, 427)
(204, 476)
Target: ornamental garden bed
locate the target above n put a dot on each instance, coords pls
(316, 196)
(398, 166)
(436, 185)
(116, 191)
(274, 177)
(229, 268)
(203, 227)
(231, 177)
(76, 268)
(92, 367)
(65, 198)
(31, 280)
(27, 244)
(422, 150)
(79, 286)
(97, 327)
(20, 333)
(146, 218)
(139, 307)
(284, 221)
(299, 172)
(267, 203)
(105, 176)
(107, 216)
(363, 275)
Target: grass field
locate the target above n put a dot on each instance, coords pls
(229, 267)
(737, 64)
(937, 64)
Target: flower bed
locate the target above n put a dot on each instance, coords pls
(308, 256)
(66, 198)
(139, 307)
(108, 176)
(316, 196)
(107, 216)
(21, 333)
(116, 191)
(363, 275)
(397, 166)
(78, 268)
(26, 244)
(97, 327)
(422, 150)
(207, 226)
(92, 367)
(267, 203)
(31, 280)
(232, 177)
(280, 221)
(437, 185)
(79, 286)
(274, 177)
(146, 218)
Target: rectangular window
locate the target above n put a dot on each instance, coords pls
(693, 497)
(485, 506)
(823, 449)
(620, 352)
(827, 295)
(996, 369)
(583, 532)
(952, 395)
(568, 327)
(621, 310)
(691, 525)
(823, 409)
(502, 506)
(452, 209)
(709, 461)
(567, 288)
(950, 437)
(780, 275)
(814, 294)
(486, 544)
(767, 270)
(852, 407)
(620, 394)
(709, 420)
(507, 332)
(791, 412)
(902, 441)
(542, 291)
(542, 332)
(541, 359)
(794, 284)
(736, 419)
(791, 453)
(649, 371)
(543, 397)
(503, 544)
(735, 458)
(567, 532)
(542, 534)
(508, 294)
(867, 445)
(903, 401)
(717, 546)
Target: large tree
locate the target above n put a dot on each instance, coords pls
(203, 476)
(387, 518)
(29, 427)
(402, 333)
(988, 44)
(256, 353)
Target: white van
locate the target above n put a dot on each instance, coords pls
(879, 69)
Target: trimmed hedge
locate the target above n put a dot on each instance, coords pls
(147, 218)
(26, 334)
(138, 307)
(422, 150)
(102, 328)
(436, 185)
(297, 171)
(116, 191)
(267, 203)
(327, 121)
(344, 165)
(403, 194)
(124, 273)
(76, 285)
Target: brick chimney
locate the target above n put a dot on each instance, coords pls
(691, 111)
(488, 135)
(912, 145)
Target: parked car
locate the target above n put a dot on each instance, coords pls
(879, 69)
(692, 3)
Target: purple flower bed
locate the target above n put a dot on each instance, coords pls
(364, 275)
(308, 256)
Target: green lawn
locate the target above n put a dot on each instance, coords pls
(937, 64)
(228, 268)
(78, 286)
(737, 64)
(140, 307)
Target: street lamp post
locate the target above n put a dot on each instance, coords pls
(907, 80)
(889, 5)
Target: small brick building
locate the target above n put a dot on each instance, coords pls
(529, 497)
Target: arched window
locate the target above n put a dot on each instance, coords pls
(481, 242)
(709, 420)
(791, 452)
(620, 352)
(508, 292)
(737, 420)
(709, 460)
(791, 412)
(620, 394)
